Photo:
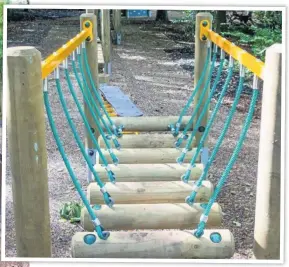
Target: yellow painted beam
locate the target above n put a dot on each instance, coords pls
(243, 57)
(53, 61)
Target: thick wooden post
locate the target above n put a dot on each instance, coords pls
(117, 26)
(267, 216)
(200, 58)
(91, 49)
(27, 149)
(92, 56)
(105, 33)
(89, 11)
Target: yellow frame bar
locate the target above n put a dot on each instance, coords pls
(246, 59)
(52, 61)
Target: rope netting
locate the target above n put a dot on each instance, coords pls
(205, 129)
(100, 117)
(109, 132)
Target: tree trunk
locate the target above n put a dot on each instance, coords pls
(220, 18)
(162, 15)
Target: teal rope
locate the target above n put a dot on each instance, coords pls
(200, 229)
(110, 174)
(175, 128)
(90, 96)
(107, 198)
(196, 109)
(117, 130)
(98, 228)
(190, 199)
(187, 174)
(87, 97)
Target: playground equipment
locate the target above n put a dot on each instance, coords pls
(138, 13)
(145, 186)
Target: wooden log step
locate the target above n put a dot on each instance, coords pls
(149, 192)
(173, 244)
(152, 216)
(154, 140)
(149, 155)
(149, 172)
(149, 123)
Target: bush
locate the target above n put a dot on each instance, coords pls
(266, 30)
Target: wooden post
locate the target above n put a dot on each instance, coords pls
(200, 58)
(91, 49)
(267, 216)
(117, 26)
(98, 14)
(92, 55)
(105, 33)
(27, 149)
(95, 12)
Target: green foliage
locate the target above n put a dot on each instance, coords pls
(265, 31)
(269, 19)
(71, 211)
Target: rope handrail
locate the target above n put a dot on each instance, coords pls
(243, 57)
(203, 220)
(54, 60)
(185, 178)
(201, 116)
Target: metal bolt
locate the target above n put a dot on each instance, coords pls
(91, 152)
(205, 23)
(88, 38)
(201, 129)
(87, 24)
(204, 38)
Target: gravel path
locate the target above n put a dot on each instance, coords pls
(147, 68)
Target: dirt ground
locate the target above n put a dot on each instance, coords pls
(155, 70)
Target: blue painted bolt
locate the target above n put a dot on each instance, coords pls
(215, 237)
(89, 239)
(87, 24)
(205, 23)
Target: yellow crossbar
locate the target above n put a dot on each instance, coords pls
(52, 61)
(243, 57)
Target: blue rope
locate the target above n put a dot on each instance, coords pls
(107, 198)
(175, 128)
(87, 101)
(98, 227)
(110, 174)
(187, 174)
(200, 229)
(90, 107)
(181, 158)
(117, 130)
(190, 199)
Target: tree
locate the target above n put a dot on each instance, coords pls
(162, 15)
(220, 18)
